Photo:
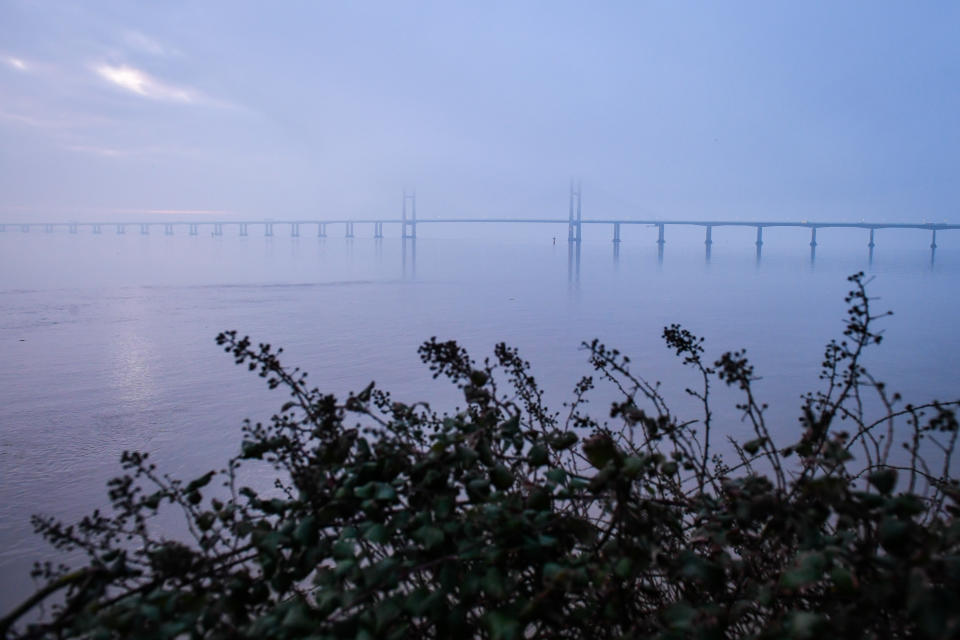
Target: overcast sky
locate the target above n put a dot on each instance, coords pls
(748, 110)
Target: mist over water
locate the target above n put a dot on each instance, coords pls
(108, 341)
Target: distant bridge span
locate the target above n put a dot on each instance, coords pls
(408, 226)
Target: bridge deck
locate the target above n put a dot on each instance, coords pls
(610, 221)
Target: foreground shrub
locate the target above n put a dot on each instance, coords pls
(506, 520)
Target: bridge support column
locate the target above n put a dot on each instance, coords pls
(575, 223)
(218, 228)
(709, 240)
(96, 228)
(294, 229)
(408, 228)
(660, 239)
(377, 229)
(321, 229)
(348, 231)
(616, 233)
(759, 237)
(168, 229)
(48, 228)
(871, 245)
(145, 229)
(268, 228)
(813, 237)
(73, 227)
(24, 228)
(243, 228)
(121, 229)
(194, 229)
(933, 240)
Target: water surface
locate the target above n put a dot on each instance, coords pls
(108, 341)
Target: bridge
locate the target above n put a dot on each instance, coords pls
(408, 222)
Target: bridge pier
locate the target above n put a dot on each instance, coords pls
(660, 240)
(933, 240)
(24, 228)
(73, 227)
(348, 231)
(193, 229)
(709, 240)
(575, 224)
(144, 229)
(759, 237)
(813, 237)
(616, 233)
(218, 228)
(294, 229)
(408, 228)
(243, 228)
(268, 228)
(377, 229)
(871, 245)
(573, 263)
(96, 228)
(121, 229)
(167, 229)
(48, 228)
(321, 229)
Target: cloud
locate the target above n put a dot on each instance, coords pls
(42, 119)
(145, 44)
(99, 151)
(143, 84)
(16, 63)
(118, 152)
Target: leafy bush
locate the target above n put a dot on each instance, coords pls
(508, 520)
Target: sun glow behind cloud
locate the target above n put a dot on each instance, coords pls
(143, 84)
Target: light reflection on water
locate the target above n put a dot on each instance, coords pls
(108, 340)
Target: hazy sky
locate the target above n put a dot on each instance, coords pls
(750, 110)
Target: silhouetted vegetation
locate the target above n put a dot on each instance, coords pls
(507, 520)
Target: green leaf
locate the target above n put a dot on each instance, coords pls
(538, 456)
(808, 570)
(365, 490)
(556, 476)
(493, 583)
(563, 440)
(429, 536)
(343, 550)
(894, 535)
(467, 455)
(306, 531)
(634, 466)
(804, 625)
(200, 482)
(385, 492)
(501, 477)
(680, 616)
(205, 520)
(377, 533)
(502, 626)
(884, 480)
(843, 580)
(386, 612)
(752, 446)
(623, 567)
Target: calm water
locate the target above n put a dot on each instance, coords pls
(108, 341)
